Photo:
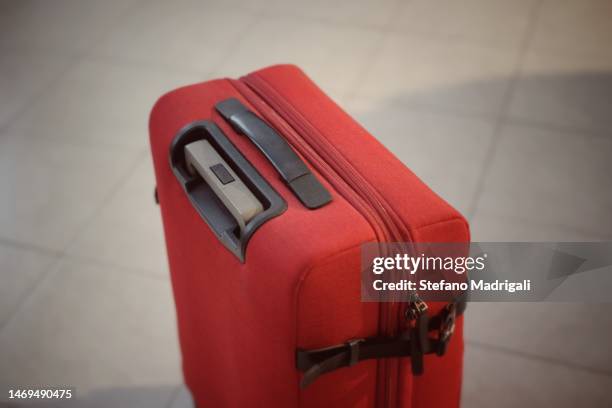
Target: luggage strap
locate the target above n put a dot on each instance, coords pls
(413, 342)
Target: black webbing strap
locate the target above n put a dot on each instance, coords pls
(413, 342)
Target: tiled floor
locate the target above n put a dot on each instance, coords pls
(503, 107)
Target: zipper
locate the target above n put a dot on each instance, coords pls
(418, 327)
(347, 181)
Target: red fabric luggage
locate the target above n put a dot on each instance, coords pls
(264, 249)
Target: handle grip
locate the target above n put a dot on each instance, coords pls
(201, 158)
(223, 187)
(291, 168)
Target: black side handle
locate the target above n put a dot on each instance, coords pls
(291, 168)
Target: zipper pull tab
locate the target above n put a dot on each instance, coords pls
(419, 341)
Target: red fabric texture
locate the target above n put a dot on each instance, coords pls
(240, 323)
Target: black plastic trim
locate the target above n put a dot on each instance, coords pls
(292, 169)
(204, 200)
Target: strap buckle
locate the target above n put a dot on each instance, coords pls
(415, 308)
(353, 348)
(447, 328)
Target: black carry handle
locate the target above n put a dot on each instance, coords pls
(292, 169)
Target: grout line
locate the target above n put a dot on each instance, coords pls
(55, 263)
(376, 27)
(534, 123)
(417, 107)
(388, 27)
(440, 110)
(74, 59)
(174, 397)
(140, 272)
(457, 39)
(61, 255)
(566, 227)
(112, 192)
(233, 48)
(377, 48)
(120, 62)
(30, 247)
(529, 356)
(208, 73)
(35, 96)
(29, 292)
(501, 118)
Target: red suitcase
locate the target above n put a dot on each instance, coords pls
(268, 191)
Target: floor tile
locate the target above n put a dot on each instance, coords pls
(23, 76)
(565, 91)
(332, 56)
(445, 75)
(253, 7)
(20, 271)
(196, 38)
(551, 178)
(119, 397)
(64, 26)
(492, 227)
(182, 399)
(446, 151)
(128, 231)
(487, 22)
(427, 79)
(550, 330)
(574, 27)
(50, 188)
(99, 103)
(500, 380)
(126, 397)
(362, 13)
(94, 328)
